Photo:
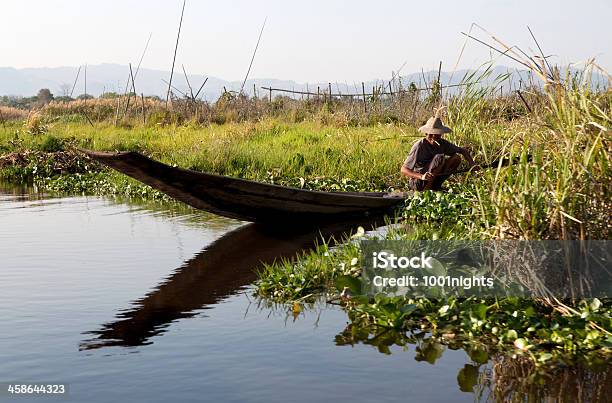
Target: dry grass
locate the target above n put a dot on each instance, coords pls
(408, 107)
(9, 114)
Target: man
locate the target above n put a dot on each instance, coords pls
(433, 159)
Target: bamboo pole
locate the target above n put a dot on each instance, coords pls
(144, 51)
(188, 83)
(201, 86)
(540, 49)
(75, 81)
(504, 53)
(144, 116)
(176, 89)
(127, 104)
(424, 79)
(253, 57)
(365, 104)
(524, 100)
(439, 85)
(85, 98)
(117, 111)
(142, 55)
(175, 50)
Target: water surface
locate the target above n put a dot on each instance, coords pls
(129, 301)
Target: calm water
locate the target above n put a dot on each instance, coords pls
(129, 302)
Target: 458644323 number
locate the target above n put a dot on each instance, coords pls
(34, 389)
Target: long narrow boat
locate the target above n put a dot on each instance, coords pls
(248, 200)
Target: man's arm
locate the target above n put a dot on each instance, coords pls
(405, 171)
(450, 149)
(467, 155)
(410, 162)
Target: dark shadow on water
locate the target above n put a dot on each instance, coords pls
(220, 270)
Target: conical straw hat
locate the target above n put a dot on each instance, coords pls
(434, 125)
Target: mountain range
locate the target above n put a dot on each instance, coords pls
(114, 77)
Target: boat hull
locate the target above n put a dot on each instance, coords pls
(247, 200)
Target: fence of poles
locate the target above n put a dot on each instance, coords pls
(376, 92)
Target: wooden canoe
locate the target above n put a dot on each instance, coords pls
(248, 200)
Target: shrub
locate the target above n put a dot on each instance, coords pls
(35, 124)
(52, 144)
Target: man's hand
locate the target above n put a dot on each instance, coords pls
(468, 157)
(427, 176)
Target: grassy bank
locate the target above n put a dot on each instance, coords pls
(261, 151)
(306, 155)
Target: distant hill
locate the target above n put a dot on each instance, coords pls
(113, 77)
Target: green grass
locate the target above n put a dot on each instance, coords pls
(249, 150)
(307, 155)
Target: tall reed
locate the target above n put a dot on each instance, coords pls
(560, 188)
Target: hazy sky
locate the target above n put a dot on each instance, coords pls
(305, 41)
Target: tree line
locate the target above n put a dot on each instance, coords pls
(45, 96)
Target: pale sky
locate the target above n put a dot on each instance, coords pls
(303, 41)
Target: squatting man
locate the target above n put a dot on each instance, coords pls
(432, 160)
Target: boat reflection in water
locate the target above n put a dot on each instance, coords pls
(220, 270)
